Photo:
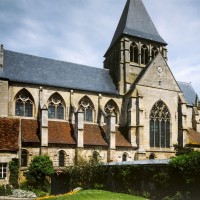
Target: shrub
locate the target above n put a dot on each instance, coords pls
(39, 172)
(14, 172)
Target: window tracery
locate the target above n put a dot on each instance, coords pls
(160, 125)
(56, 107)
(24, 104)
(111, 108)
(87, 106)
(144, 55)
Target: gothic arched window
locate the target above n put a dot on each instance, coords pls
(154, 52)
(112, 108)
(144, 55)
(24, 158)
(24, 104)
(61, 159)
(87, 106)
(134, 53)
(160, 125)
(56, 107)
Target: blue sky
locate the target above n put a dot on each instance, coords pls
(80, 31)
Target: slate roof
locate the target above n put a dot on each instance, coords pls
(189, 93)
(31, 69)
(135, 21)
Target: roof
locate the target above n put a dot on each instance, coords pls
(58, 132)
(63, 133)
(135, 21)
(31, 69)
(188, 92)
(142, 162)
(193, 137)
(9, 134)
(94, 135)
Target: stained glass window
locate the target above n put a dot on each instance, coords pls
(55, 107)
(87, 106)
(160, 125)
(24, 104)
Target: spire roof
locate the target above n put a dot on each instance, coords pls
(135, 21)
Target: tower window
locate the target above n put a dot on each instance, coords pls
(87, 106)
(24, 104)
(154, 52)
(160, 125)
(144, 55)
(55, 107)
(134, 53)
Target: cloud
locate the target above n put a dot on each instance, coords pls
(80, 31)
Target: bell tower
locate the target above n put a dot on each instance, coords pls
(135, 43)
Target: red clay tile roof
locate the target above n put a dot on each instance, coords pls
(61, 133)
(93, 135)
(30, 130)
(9, 134)
(194, 137)
(121, 138)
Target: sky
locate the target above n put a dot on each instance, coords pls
(80, 31)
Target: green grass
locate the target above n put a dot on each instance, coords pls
(98, 195)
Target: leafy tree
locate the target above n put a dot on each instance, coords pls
(39, 172)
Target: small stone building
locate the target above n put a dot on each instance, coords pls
(132, 109)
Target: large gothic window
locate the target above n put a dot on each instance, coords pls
(111, 108)
(56, 107)
(144, 54)
(154, 52)
(24, 104)
(87, 106)
(160, 125)
(134, 53)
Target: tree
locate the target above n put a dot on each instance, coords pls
(40, 169)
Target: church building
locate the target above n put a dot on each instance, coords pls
(131, 109)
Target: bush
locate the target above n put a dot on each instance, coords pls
(39, 172)
(14, 172)
(5, 190)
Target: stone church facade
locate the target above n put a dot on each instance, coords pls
(132, 109)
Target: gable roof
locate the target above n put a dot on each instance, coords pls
(135, 21)
(149, 76)
(188, 92)
(25, 68)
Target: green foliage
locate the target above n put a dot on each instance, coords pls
(187, 166)
(5, 190)
(180, 150)
(14, 172)
(39, 172)
(86, 174)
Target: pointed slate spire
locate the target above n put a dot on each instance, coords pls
(135, 21)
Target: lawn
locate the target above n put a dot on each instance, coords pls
(98, 195)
